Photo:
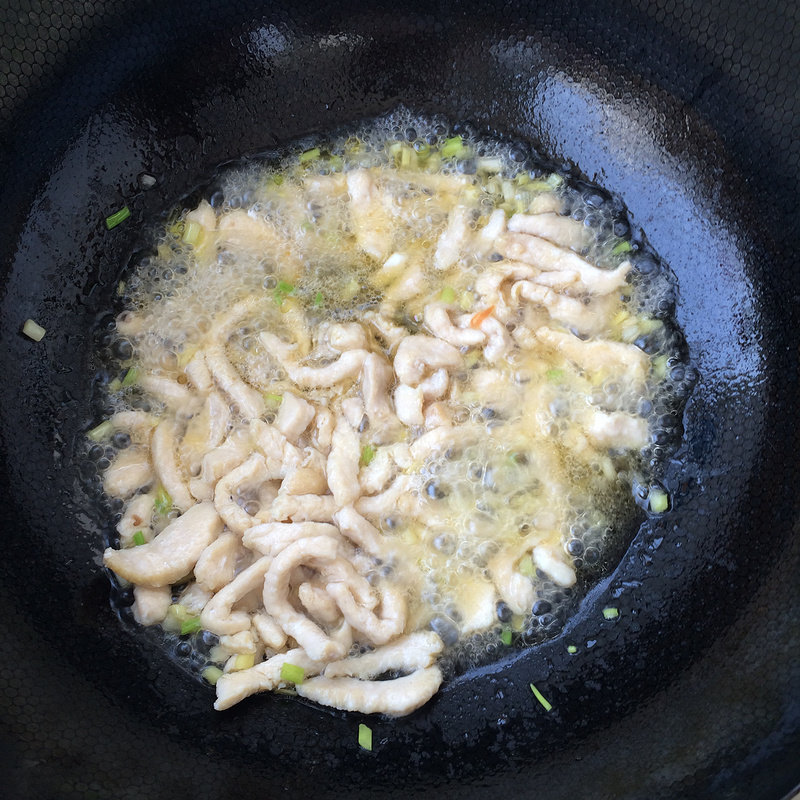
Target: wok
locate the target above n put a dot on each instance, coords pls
(688, 112)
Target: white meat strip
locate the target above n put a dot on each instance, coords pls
(323, 430)
(549, 257)
(408, 401)
(438, 414)
(319, 604)
(239, 231)
(242, 642)
(391, 333)
(281, 456)
(353, 411)
(270, 538)
(235, 686)
(438, 321)
(303, 507)
(512, 586)
(376, 378)
(348, 365)
(454, 239)
(378, 629)
(499, 342)
(138, 516)
(419, 354)
(390, 270)
(204, 215)
(172, 554)
(309, 551)
(360, 532)
(163, 452)
(587, 318)
(217, 563)
(307, 478)
(204, 431)
(614, 429)
(477, 602)
(270, 633)
(194, 597)
(249, 402)
(294, 416)
(546, 203)
(343, 336)
(129, 471)
(415, 651)
(151, 603)
(139, 424)
(248, 476)
(395, 698)
(218, 615)
(175, 396)
(396, 499)
(489, 283)
(198, 373)
(494, 227)
(370, 221)
(222, 459)
(343, 462)
(555, 567)
(563, 231)
(411, 283)
(618, 358)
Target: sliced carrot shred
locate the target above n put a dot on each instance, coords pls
(481, 317)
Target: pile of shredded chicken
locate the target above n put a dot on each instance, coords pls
(297, 453)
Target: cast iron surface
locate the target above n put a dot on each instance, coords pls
(687, 112)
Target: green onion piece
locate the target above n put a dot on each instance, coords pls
(658, 501)
(622, 247)
(244, 661)
(448, 295)
(319, 300)
(163, 502)
(610, 612)
(130, 378)
(138, 538)
(190, 625)
(273, 399)
(539, 186)
(335, 163)
(466, 300)
(192, 232)
(101, 431)
(454, 148)
(115, 386)
(211, 674)
(554, 375)
(364, 736)
(367, 454)
(554, 180)
(505, 636)
(291, 673)
(540, 697)
(309, 155)
(526, 567)
(33, 330)
(117, 217)
(571, 649)
(285, 287)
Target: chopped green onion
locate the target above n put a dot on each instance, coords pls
(610, 613)
(163, 502)
(367, 454)
(554, 180)
(177, 614)
(335, 163)
(211, 674)
(285, 287)
(190, 625)
(318, 300)
(466, 300)
(117, 217)
(525, 567)
(364, 736)
(273, 399)
(505, 636)
(101, 431)
(454, 148)
(658, 501)
(571, 649)
(448, 295)
(540, 697)
(244, 661)
(192, 232)
(554, 375)
(309, 155)
(138, 538)
(33, 330)
(115, 386)
(622, 247)
(130, 378)
(291, 673)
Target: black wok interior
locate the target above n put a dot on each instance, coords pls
(687, 111)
